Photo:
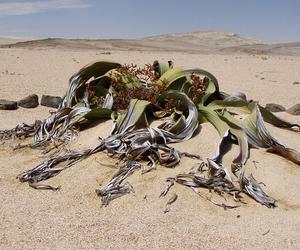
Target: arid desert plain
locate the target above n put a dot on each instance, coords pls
(72, 218)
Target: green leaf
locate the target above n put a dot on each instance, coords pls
(100, 83)
(269, 117)
(239, 134)
(171, 75)
(259, 136)
(179, 122)
(129, 80)
(209, 115)
(163, 68)
(179, 79)
(135, 117)
(98, 113)
(230, 104)
(95, 70)
(191, 121)
(257, 133)
(77, 88)
(240, 105)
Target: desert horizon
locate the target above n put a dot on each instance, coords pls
(188, 42)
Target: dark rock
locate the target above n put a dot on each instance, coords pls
(8, 105)
(105, 53)
(294, 110)
(295, 83)
(31, 101)
(51, 101)
(239, 95)
(273, 107)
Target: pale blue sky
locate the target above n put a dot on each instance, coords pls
(271, 20)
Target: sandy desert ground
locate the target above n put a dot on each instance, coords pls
(72, 217)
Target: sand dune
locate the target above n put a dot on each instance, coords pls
(292, 49)
(207, 38)
(11, 40)
(192, 42)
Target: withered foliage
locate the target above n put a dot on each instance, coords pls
(149, 90)
(198, 87)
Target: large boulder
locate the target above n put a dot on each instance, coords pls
(273, 107)
(294, 110)
(51, 101)
(31, 101)
(8, 105)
